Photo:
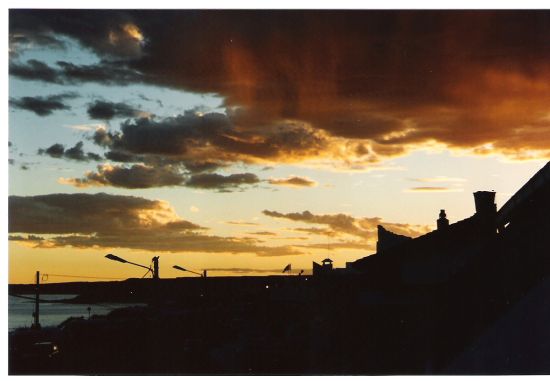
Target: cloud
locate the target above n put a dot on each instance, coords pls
(18, 43)
(264, 233)
(354, 245)
(319, 231)
(439, 179)
(35, 70)
(86, 214)
(338, 222)
(433, 189)
(386, 82)
(76, 153)
(294, 181)
(105, 73)
(28, 238)
(114, 221)
(243, 223)
(109, 110)
(365, 228)
(206, 141)
(43, 106)
(112, 34)
(220, 182)
(85, 127)
(137, 176)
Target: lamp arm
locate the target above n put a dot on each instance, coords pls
(137, 264)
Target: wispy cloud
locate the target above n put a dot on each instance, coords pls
(86, 127)
(433, 189)
(243, 223)
(293, 181)
(439, 179)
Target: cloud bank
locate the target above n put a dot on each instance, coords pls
(112, 221)
(397, 79)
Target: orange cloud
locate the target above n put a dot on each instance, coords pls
(368, 85)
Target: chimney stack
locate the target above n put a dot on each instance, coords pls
(442, 221)
(485, 203)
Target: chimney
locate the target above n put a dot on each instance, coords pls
(442, 221)
(485, 203)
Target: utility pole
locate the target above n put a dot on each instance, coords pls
(155, 267)
(36, 324)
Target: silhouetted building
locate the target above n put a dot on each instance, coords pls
(388, 239)
(324, 269)
(435, 256)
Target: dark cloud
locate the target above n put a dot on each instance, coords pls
(43, 106)
(105, 72)
(35, 70)
(220, 182)
(140, 176)
(111, 221)
(107, 33)
(137, 176)
(21, 42)
(123, 157)
(76, 153)
(396, 79)
(146, 98)
(109, 110)
(55, 150)
(84, 213)
(202, 166)
(204, 142)
(29, 237)
(293, 181)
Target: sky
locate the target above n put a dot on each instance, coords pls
(243, 141)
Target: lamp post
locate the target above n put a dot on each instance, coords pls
(154, 270)
(189, 271)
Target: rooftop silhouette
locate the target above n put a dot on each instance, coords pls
(436, 304)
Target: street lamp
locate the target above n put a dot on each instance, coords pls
(154, 270)
(189, 271)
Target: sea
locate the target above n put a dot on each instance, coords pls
(20, 311)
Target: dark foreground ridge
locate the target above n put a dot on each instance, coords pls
(468, 298)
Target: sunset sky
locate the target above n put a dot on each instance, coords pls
(242, 141)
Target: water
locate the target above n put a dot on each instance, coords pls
(51, 314)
